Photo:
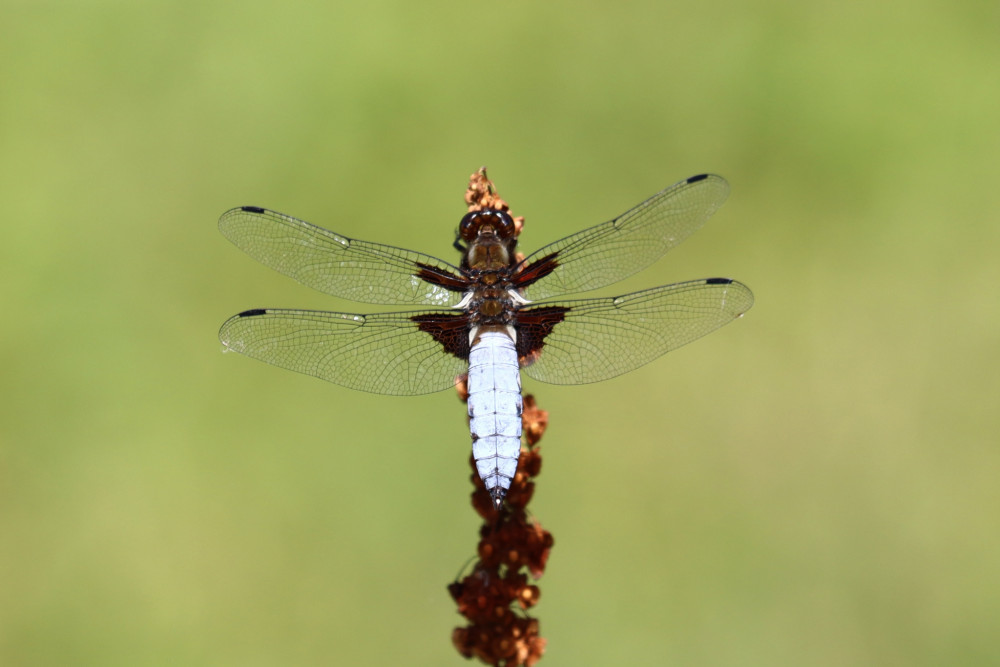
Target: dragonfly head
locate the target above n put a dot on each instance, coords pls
(486, 221)
(491, 237)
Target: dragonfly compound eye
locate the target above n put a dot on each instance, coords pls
(499, 222)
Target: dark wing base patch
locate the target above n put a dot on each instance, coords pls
(533, 325)
(451, 331)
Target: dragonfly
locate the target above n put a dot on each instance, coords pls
(490, 317)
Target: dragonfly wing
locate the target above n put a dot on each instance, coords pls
(588, 340)
(386, 353)
(616, 249)
(337, 265)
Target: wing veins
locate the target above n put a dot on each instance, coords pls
(601, 338)
(381, 353)
(618, 248)
(335, 264)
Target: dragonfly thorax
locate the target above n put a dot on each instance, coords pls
(488, 253)
(490, 305)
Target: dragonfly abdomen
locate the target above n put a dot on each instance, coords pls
(495, 410)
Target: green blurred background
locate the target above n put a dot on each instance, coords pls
(815, 484)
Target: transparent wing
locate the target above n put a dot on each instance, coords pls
(616, 249)
(335, 264)
(599, 339)
(385, 353)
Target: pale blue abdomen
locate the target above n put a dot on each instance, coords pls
(495, 410)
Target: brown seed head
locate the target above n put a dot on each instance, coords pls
(462, 387)
(535, 421)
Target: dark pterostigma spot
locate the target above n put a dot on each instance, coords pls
(254, 312)
(699, 177)
(252, 209)
(718, 281)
